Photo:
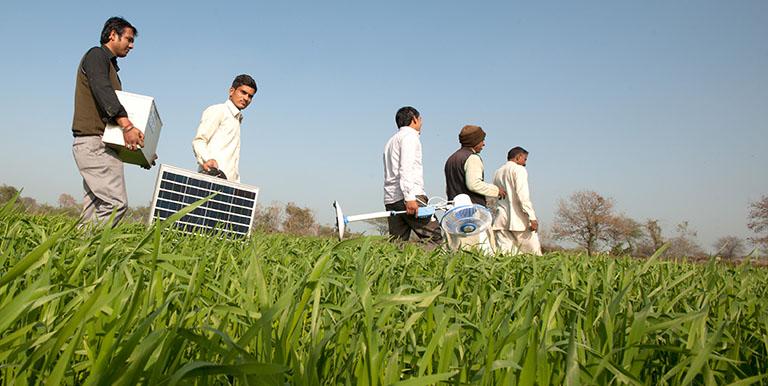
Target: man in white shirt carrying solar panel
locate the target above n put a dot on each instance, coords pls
(404, 180)
(217, 142)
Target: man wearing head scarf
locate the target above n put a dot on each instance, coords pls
(464, 175)
(464, 169)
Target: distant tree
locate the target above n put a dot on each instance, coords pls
(268, 218)
(67, 201)
(381, 225)
(29, 204)
(299, 221)
(584, 219)
(652, 238)
(68, 205)
(623, 235)
(7, 192)
(758, 222)
(327, 231)
(654, 234)
(729, 247)
(684, 243)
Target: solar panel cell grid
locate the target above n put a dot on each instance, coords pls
(230, 210)
(173, 206)
(163, 214)
(240, 219)
(180, 179)
(223, 198)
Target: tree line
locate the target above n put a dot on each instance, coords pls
(286, 218)
(590, 221)
(585, 218)
(66, 205)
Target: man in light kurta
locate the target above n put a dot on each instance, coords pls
(515, 225)
(217, 142)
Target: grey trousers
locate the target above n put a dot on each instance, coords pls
(103, 180)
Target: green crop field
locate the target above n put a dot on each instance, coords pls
(137, 305)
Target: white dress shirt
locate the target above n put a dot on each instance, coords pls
(514, 213)
(218, 137)
(403, 171)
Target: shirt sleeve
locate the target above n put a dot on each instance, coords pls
(473, 174)
(409, 147)
(96, 68)
(523, 194)
(209, 122)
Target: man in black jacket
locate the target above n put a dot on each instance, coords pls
(96, 105)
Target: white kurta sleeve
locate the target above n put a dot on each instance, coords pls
(473, 175)
(523, 194)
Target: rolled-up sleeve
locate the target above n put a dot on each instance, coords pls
(473, 174)
(96, 68)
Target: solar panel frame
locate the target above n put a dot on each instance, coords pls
(230, 211)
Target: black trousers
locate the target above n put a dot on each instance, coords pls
(400, 226)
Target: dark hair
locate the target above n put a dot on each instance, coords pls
(405, 116)
(514, 152)
(117, 24)
(244, 80)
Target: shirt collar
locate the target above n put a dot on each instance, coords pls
(111, 56)
(408, 127)
(234, 110)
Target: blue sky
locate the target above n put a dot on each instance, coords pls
(662, 106)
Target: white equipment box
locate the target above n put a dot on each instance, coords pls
(143, 114)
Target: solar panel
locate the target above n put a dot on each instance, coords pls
(230, 211)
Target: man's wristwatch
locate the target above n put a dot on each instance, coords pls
(127, 129)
